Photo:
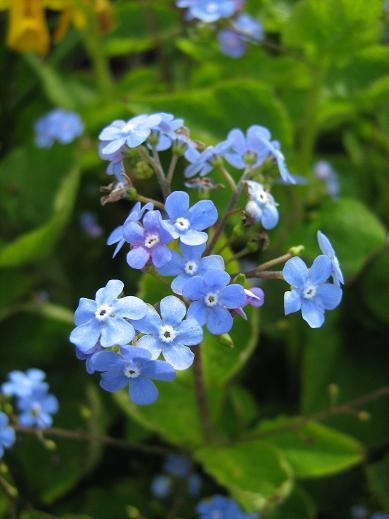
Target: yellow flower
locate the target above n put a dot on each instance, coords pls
(27, 29)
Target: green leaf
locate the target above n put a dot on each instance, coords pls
(375, 287)
(378, 479)
(38, 243)
(313, 450)
(331, 32)
(298, 505)
(352, 228)
(256, 474)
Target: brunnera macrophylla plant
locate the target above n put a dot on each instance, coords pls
(134, 343)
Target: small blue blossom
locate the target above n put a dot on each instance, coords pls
(148, 242)
(203, 163)
(221, 507)
(189, 264)
(187, 223)
(88, 357)
(212, 299)
(132, 133)
(255, 297)
(115, 166)
(325, 173)
(253, 148)
(311, 293)
(244, 28)
(249, 28)
(136, 214)
(176, 465)
(171, 333)
(194, 485)
(261, 205)
(57, 125)
(328, 250)
(161, 486)
(36, 409)
(166, 131)
(7, 434)
(106, 319)
(132, 367)
(21, 384)
(208, 11)
(89, 224)
(231, 43)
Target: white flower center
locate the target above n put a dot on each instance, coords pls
(128, 128)
(309, 292)
(211, 7)
(167, 333)
(103, 312)
(210, 299)
(182, 224)
(151, 240)
(191, 268)
(131, 371)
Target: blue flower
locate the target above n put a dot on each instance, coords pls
(115, 166)
(88, 357)
(325, 173)
(148, 242)
(7, 434)
(170, 335)
(189, 264)
(254, 148)
(203, 163)
(261, 206)
(212, 299)
(161, 486)
(328, 250)
(135, 215)
(231, 43)
(255, 297)
(132, 133)
(249, 28)
(310, 291)
(21, 384)
(208, 10)
(379, 515)
(176, 465)
(135, 368)
(36, 409)
(106, 318)
(221, 507)
(166, 131)
(58, 125)
(187, 223)
(89, 224)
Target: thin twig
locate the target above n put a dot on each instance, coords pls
(145, 200)
(265, 275)
(228, 177)
(172, 168)
(269, 264)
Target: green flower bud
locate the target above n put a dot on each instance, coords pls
(240, 278)
(226, 340)
(132, 193)
(297, 250)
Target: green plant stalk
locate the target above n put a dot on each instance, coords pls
(100, 63)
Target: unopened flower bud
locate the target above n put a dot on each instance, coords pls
(226, 340)
(297, 250)
(132, 193)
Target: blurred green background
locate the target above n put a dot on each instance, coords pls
(320, 83)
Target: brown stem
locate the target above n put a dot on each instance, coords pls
(228, 177)
(172, 168)
(265, 275)
(145, 200)
(269, 264)
(84, 436)
(201, 397)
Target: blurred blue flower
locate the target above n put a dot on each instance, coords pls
(261, 205)
(21, 384)
(187, 223)
(221, 507)
(166, 130)
(325, 173)
(115, 166)
(136, 214)
(231, 43)
(36, 408)
(194, 485)
(132, 367)
(161, 486)
(89, 224)
(249, 28)
(208, 10)
(379, 515)
(132, 133)
(253, 148)
(310, 291)
(105, 319)
(212, 298)
(7, 434)
(233, 40)
(171, 334)
(189, 264)
(203, 163)
(148, 242)
(57, 125)
(328, 250)
(176, 465)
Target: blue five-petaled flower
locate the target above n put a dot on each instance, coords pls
(261, 205)
(36, 408)
(135, 368)
(187, 223)
(311, 293)
(212, 299)
(21, 384)
(171, 333)
(106, 319)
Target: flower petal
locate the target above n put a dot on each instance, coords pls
(113, 382)
(189, 332)
(130, 307)
(202, 215)
(329, 296)
(142, 391)
(219, 320)
(216, 279)
(152, 344)
(180, 357)
(116, 331)
(85, 311)
(160, 255)
(320, 270)
(85, 336)
(173, 310)
(150, 323)
(198, 311)
(193, 237)
(106, 295)
(194, 288)
(312, 314)
(159, 370)
(138, 257)
(295, 272)
(232, 296)
(211, 262)
(292, 302)
(177, 204)
(174, 267)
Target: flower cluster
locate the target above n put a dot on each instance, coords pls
(34, 404)
(57, 125)
(175, 469)
(223, 507)
(241, 27)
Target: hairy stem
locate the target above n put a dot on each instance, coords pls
(172, 168)
(155, 163)
(145, 200)
(201, 397)
(228, 177)
(270, 264)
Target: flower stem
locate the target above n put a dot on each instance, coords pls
(228, 177)
(157, 166)
(271, 263)
(172, 168)
(265, 275)
(201, 397)
(146, 200)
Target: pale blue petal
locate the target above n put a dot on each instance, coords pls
(232, 296)
(219, 320)
(295, 272)
(270, 216)
(189, 332)
(159, 370)
(194, 288)
(191, 252)
(173, 310)
(114, 146)
(130, 307)
(329, 296)
(179, 282)
(312, 314)
(107, 361)
(150, 323)
(113, 382)
(180, 357)
(138, 257)
(116, 332)
(161, 255)
(177, 204)
(134, 139)
(174, 267)
(292, 302)
(211, 262)
(202, 215)
(320, 270)
(193, 237)
(198, 311)
(150, 343)
(86, 335)
(142, 391)
(111, 291)
(85, 311)
(133, 233)
(216, 279)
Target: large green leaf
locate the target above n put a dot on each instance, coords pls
(375, 286)
(313, 450)
(378, 478)
(255, 474)
(332, 31)
(298, 505)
